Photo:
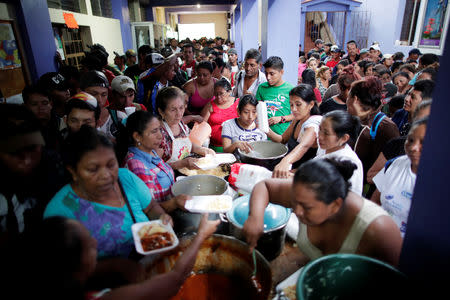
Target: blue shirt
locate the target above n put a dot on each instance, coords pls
(400, 118)
(110, 226)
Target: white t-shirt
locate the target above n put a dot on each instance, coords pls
(314, 122)
(232, 130)
(396, 185)
(347, 154)
(238, 90)
(109, 127)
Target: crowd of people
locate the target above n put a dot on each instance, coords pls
(92, 151)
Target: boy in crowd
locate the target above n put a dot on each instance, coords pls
(189, 62)
(56, 87)
(275, 93)
(81, 109)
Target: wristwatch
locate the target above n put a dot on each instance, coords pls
(283, 119)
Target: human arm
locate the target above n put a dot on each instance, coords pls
(283, 139)
(309, 139)
(382, 240)
(278, 191)
(188, 162)
(376, 197)
(377, 166)
(155, 211)
(203, 151)
(277, 119)
(206, 111)
(229, 147)
(164, 286)
(192, 118)
(175, 202)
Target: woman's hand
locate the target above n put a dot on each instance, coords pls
(274, 120)
(282, 170)
(207, 151)
(180, 201)
(244, 146)
(207, 227)
(253, 229)
(166, 219)
(189, 162)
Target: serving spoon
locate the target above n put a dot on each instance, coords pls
(253, 278)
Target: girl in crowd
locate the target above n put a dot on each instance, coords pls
(312, 63)
(221, 109)
(238, 132)
(332, 218)
(144, 134)
(106, 199)
(67, 252)
(338, 102)
(336, 130)
(401, 80)
(309, 77)
(200, 89)
(364, 101)
(176, 144)
(301, 135)
(395, 183)
(323, 79)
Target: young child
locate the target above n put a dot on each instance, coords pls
(238, 132)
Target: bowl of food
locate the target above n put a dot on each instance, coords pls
(153, 237)
(265, 153)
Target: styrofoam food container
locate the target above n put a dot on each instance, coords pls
(137, 240)
(205, 204)
(215, 160)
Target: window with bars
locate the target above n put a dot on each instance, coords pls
(73, 44)
(78, 6)
(102, 8)
(410, 16)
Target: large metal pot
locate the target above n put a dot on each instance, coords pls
(197, 185)
(276, 217)
(266, 154)
(219, 254)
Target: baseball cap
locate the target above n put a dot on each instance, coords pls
(85, 97)
(154, 59)
(415, 51)
(387, 55)
(335, 48)
(232, 51)
(53, 81)
(375, 47)
(363, 51)
(93, 78)
(318, 41)
(389, 91)
(130, 52)
(122, 83)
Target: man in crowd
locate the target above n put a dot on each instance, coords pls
(326, 52)
(387, 61)
(189, 62)
(56, 87)
(174, 46)
(374, 53)
(275, 93)
(248, 80)
(81, 109)
(335, 57)
(414, 54)
(135, 70)
(233, 60)
(130, 56)
(352, 52)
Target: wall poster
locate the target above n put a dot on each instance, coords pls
(434, 24)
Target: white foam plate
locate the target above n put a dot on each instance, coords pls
(137, 240)
(209, 204)
(212, 161)
(291, 280)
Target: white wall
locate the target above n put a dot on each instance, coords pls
(219, 19)
(104, 31)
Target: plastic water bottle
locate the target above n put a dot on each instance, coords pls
(262, 118)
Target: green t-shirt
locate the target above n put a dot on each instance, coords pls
(277, 101)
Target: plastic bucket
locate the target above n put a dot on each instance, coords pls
(350, 276)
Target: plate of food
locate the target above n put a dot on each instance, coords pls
(220, 171)
(209, 204)
(287, 288)
(153, 237)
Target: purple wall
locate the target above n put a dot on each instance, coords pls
(238, 28)
(250, 25)
(37, 34)
(121, 12)
(283, 35)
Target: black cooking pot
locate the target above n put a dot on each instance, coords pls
(265, 153)
(276, 217)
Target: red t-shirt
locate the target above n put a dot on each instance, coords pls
(191, 65)
(318, 96)
(332, 63)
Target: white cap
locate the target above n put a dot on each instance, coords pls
(387, 55)
(122, 83)
(375, 47)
